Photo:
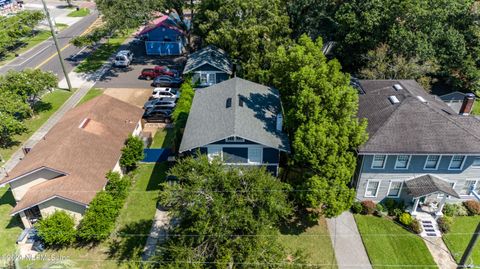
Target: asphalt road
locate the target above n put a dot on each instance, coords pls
(44, 55)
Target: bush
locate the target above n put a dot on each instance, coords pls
(117, 186)
(379, 207)
(58, 229)
(405, 219)
(368, 207)
(397, 212)
(132, 153)
(393, 207)
(390, 204)
(416, 226)
(357, 207)
(473, 207)
(445, 224)
(454, 210)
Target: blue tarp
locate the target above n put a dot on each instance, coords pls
(163, 48)
(155, 155)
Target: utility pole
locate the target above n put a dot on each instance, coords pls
(54, 36)
(473, 241)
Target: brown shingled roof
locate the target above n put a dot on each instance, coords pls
(85, 154)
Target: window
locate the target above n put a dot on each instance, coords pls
(214, 152)
(211, 79)
(432, 162)
(228, 103)
(255, 155)
(395, 188)
(379, 161)
(207, 78)
(476, 162)
(457, 162)
(467, 187)
(402, 161)
(372, 188)
(234, 139)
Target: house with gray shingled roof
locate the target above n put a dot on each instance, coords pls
(419, 149)
(238, 121)
(208, 66)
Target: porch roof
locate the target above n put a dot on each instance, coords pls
(428, 184)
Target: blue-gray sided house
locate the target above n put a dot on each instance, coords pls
(238, 121)
(419, 150)
(163, 36)
(208, 66)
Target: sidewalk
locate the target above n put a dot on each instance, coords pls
(158, 233)
(440, 252)
(347, 242)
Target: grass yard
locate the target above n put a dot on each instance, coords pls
(100, 56)
(314, 243)
(79, 13)
(459, 237)
(390, 246)
(92, 93)
(50, 103)
(163, 138)
(10, 227)
(29, 42)
(476, 109)
(132, 227)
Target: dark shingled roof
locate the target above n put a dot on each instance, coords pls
(209, 55)
(210, 120)
(413, 126)
(428, 184)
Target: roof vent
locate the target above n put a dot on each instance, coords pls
(240, 100)
(393, 99)
(228, 103)
(421, 99)
(397, 87)
(84, 123)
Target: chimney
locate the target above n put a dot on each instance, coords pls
(467, 104)
(279, 122)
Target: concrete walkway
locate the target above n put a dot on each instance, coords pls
(440, 253)
(347, 243)
(158, 233)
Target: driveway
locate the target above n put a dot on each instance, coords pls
(128, 77)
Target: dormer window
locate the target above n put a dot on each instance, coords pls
(232, 139)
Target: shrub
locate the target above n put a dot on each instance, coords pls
(368, 207)
(405, 219)
(473, 207)
(393, 207)
(132, 153)
(379, 207)
(453, 210)
(416, 226)
(58, 229)
(390, 204)
(444, 224)
(397, 212)
(117, 186)
(357, 207)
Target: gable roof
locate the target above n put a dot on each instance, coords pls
(85, 144)
(209, 55)
(210, 120)
(165, 21)
(429, 184)
(412, 125)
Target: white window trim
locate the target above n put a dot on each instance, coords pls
(477, 181)
(475, 166)
(376, 191)
(261, 155)
(399, 191)
(438, 162)
(461, 166)
(215, 147)
(384, 161)
(408, 162)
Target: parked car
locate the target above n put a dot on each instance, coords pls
(166, 81)
(123, 58)
(151, 73)
(158, 102)
(158, 115)
(165, 92)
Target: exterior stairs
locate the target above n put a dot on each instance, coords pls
(429, 225)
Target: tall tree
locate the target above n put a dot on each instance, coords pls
(321, 117)
(12, 112)
(246, 29)
(225, 217)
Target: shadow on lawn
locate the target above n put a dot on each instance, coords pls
(128, 245)
(7, 199)
(298, 223)
(157, 176)
(41, 106)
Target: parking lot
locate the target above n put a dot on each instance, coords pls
(128, 77)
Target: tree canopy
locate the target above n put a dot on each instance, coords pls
(57, 229)
(225, 217)
(14, 28)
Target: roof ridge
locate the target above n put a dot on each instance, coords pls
(234, 105)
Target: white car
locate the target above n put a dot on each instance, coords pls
(123, 58)
(166, 93)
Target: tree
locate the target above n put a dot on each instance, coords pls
(226, 217)
(132, 153)
(246, 29)
(321, 109)
(16, 27)
(57, 229)
(12, 112)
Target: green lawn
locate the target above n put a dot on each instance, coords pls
(92, 93)
(390, 246)
(132, 227)
(79, 13)
(476, 109)
(163, 138)
(99, 57)
(314, 243)
(9, 226)
(459, 237)
(29, 42)
(50, 103)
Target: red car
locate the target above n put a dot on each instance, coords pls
(151, 73)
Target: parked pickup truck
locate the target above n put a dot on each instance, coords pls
(151, 73)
